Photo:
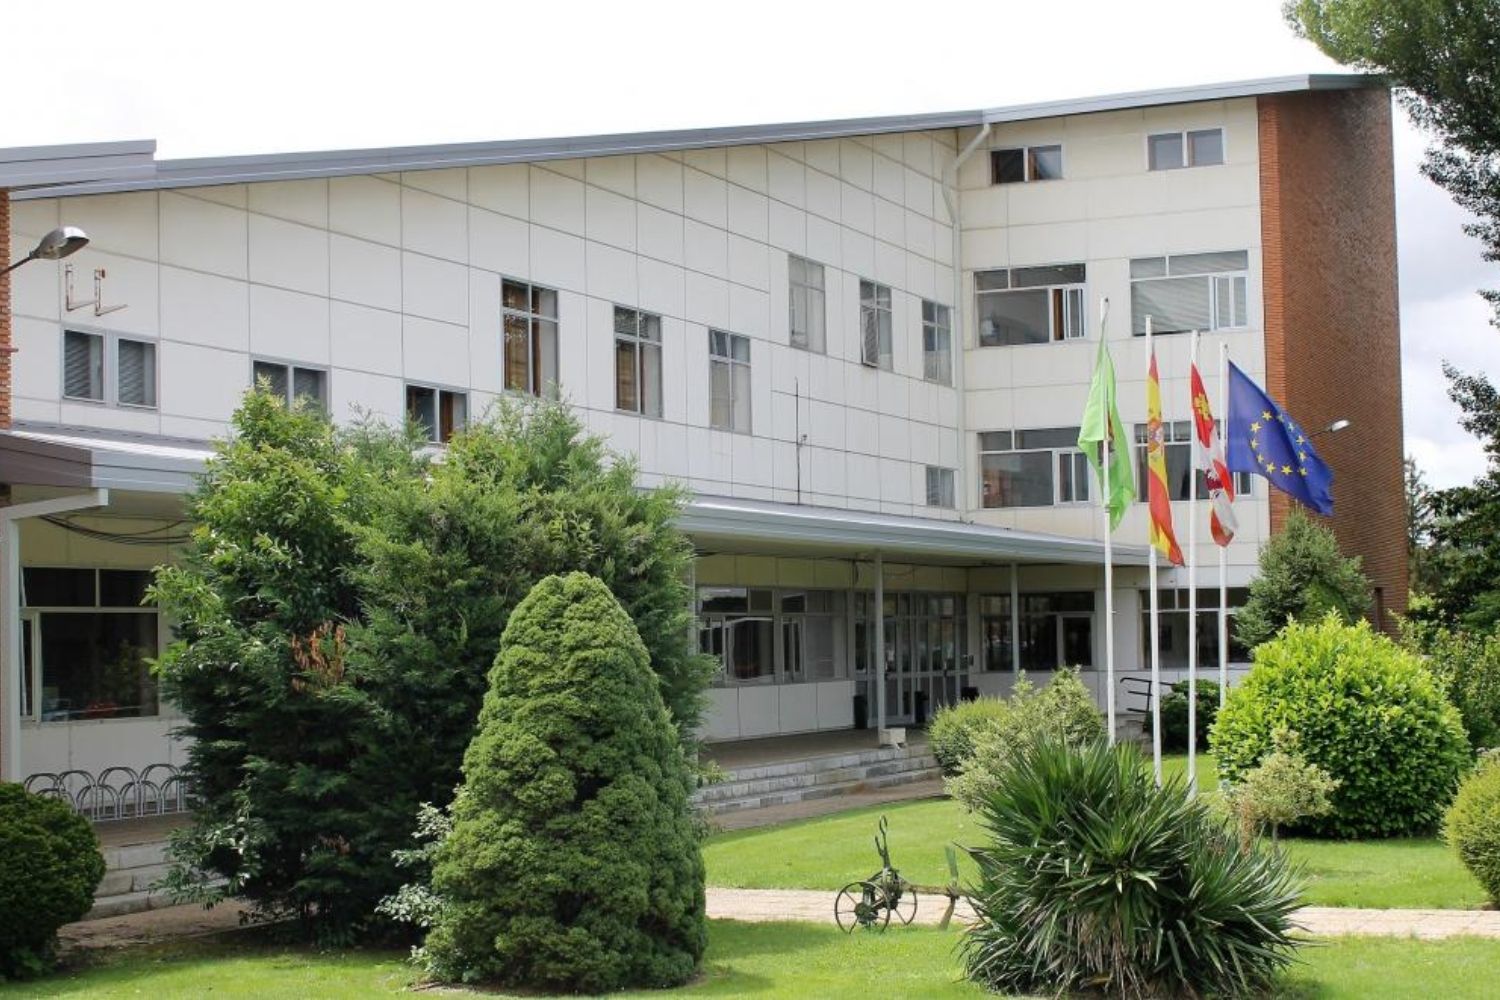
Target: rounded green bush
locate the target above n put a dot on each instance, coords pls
(573, 863)
(1366, 711)
(950, 735)
(1093, 880)
(1472, 826)
(50, 866)
(1174, 715)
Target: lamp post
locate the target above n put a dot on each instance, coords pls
(55, 245)
(1332, 428)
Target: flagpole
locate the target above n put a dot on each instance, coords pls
(1155, 637)
(1192, 574)
(1224, 549)
(1109, 570)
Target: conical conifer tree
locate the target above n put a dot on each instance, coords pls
(574, 862)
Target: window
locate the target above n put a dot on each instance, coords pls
(1030, 305)
(1035, 468)
(875, 324)
(812, 635)
(94, 639)
(637, 362)
(93, 361)
(293, 383)
(529, 315)
(439, 412)
(736, 627)
(1196, 148)
(1055, 630)
(1173, 624)
(1026, 163)
(1177, 436)
(729, 381)
(940, 487)
(937, 344)
(807, 306)
(1190, 291)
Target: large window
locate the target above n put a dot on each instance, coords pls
(875, 324)
(729, 381)
(440, 413)
(1026, 163)
(812, 635)
(807, 306)
(1174, 627)
(1190, 291)
(1055, 630)
(1030, 305)
(1194, 148)
(937, 343)
(740, 626)
(637, 362)
(94, 639)
(1033, 468)
(529, 314)
(1177, 439)
(109, 369)
(293, 383)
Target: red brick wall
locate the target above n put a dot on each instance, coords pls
(1333, 337)
(5, 342)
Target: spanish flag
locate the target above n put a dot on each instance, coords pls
(1162, 535)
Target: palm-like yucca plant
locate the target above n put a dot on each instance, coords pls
(1094, 879)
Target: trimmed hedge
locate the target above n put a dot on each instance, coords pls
(1174, 715)
(50, 866)
(1367, 712)
(1472, 826)
(573, 863)
(950, 735)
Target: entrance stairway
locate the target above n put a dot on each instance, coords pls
(135, 858)
(754, 785)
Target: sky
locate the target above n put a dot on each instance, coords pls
(207, 79)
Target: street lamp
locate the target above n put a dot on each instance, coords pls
(55, 246)
(1332, 428)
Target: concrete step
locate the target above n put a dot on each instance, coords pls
(127, 902)
(119, 881)
(760, 800)
(739, 787)
(806, 765)
(135, 855)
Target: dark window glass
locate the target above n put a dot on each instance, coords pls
(1008, 166)
(94, 665)
(59, 588)
(123, 588)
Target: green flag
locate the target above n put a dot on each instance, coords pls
(1102, 407)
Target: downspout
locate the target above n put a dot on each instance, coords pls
(960, 329)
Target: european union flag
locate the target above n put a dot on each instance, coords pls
(1266, 441)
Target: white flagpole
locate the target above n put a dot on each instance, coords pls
(1223, 549)
(1192, 574)
(1109, 568)
(1155, 630)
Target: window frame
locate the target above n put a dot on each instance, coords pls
(639, 342)
(1183, 135)
(109, 368)
(1058, 454)
(1061, 295)
(536, 358)
(769, 605)
(1238, 282)
(807, 290)
(435, 435)
(947, 487)
(731, 364)
(998, 610)
(292, 367)
(885, 336)
(941, 323)
(1028, 154)
(1179, 434)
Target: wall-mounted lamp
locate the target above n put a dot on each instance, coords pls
(55, 245)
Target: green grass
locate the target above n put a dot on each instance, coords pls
(744, 960)
(827, 852)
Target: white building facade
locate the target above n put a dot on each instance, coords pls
(865, 346)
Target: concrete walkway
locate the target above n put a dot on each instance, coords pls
(762, 905)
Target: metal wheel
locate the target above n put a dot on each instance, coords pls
(904, 905)
(861, 905)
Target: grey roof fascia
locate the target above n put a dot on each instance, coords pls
(78, 163)
(40, 461)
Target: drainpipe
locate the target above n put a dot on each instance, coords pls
(11, 662)
(959, 332)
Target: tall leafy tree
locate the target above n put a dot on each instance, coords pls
(1302, 577)
(1465, 554)
(1444, 56)
(1419, 525)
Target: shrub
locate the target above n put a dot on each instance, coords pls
(950, 735)
(1093, 879)
(1467, 664)
(1472, 825)
(573, 861)
(1174, 715)
(1280, 790)
(1302, 577)
(50, 866)
(1063, 709)
(1366, 711)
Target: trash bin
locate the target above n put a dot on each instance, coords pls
(919, 709)
(968, 693)
(861, 712)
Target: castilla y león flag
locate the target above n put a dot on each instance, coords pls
(1208, 455)
(1160, 501)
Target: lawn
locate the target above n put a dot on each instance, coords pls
(827, 852)
(762, 960)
